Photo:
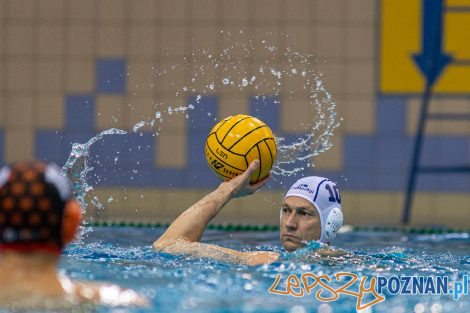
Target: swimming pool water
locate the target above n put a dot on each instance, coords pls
(124, 256)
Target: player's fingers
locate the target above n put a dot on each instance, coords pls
(252, 168)
(261, 183)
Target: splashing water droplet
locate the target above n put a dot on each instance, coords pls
(76, 168)
(138, 126)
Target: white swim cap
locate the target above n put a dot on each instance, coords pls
(325, 196)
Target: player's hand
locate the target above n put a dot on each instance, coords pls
(240, 186)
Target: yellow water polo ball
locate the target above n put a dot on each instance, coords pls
(235, 142)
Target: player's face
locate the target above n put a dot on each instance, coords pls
(300, 223)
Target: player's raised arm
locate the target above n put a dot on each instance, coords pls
(191, 223)
(183, 235)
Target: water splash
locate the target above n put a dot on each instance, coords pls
(77, 166)
(284, 75)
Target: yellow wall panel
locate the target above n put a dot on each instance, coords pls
(111, 10)
(379, 208)
(175, 10)
(298, 114)
(360, 78)
(3, 108)
(141, 109)
(330, 43)
(111, 112)
(360, 42)
(204, 39)
(80, 40)
(266, 10)
(230, 104)
(111, 40)
(19, 39)
(271, 36)
(50, 76)
(171, 149)
(423, 211)
(80, 76)
(328, 11)
(204, 74)
(50, 40)
(454, 3)
(300, 38)
(236, 10)
(145, 204)
(363, 11)
(260, 208)
(454, 80)
(457, 28)
(20, 112)
(21, 10)
(299, 10)
(331, 159)
(111, 204)
(453, 210)
(438, 127)
(175, 122)
(350, 207)
(83, 10)
(333, 77)
(51, 10)
(19, 145)
(359, 115)
(399, 73)
(204, 10)
(141, 78)
(401, 38)
(19, 75)
(49, 112)
(173, 40)
(359, 208)
(143, 40)
(170, 78)
(144, 10)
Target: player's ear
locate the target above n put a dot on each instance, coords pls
(71, 220)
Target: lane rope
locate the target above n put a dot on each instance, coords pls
(266, 227)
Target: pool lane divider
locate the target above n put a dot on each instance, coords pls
(265, 228)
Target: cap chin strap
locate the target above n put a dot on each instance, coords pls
(333, 224)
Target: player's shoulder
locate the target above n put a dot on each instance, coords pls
(101, 293)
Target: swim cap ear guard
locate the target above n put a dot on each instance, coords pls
(333, 224)
(4, 175)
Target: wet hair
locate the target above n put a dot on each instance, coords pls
(33, 196)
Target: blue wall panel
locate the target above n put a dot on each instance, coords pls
(111, 76)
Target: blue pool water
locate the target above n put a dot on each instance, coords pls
(182, 284)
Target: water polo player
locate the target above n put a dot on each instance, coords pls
(311, 210)
(38, 217)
